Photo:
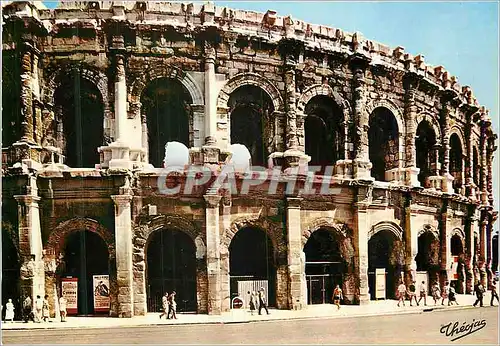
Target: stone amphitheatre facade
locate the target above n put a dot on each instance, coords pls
(94, 90)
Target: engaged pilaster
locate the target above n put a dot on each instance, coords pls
(124, 249)
(213, 253)
(296, 257)
(30, 242)
(411, 241)
(411, 85)
(361, 222)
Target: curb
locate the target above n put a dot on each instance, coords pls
(298, 318)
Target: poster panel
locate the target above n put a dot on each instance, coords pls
(380, 283)
(101, 293)
(69, 290)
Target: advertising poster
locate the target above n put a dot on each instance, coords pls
(101, 293)
(69, 289)
(380, 283)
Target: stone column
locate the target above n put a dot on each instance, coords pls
(445, 239)
(411, 86)
(483, 228)
(213, 253)
(470, 187)
(296, 259)
(483, 166)
(362, 223)
(361, 164)
(30, 242)
(411, 243)
(120, 148)
(124, 249)
(27, 114)
(210, 97)
(469, 254)
(447, 178)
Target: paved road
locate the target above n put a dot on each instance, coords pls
(394, 329)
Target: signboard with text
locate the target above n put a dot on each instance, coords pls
(380, 283)
(101, 293)
(69, 290)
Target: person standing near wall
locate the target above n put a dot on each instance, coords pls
(38, 309)
(9, 311)
(337, 296)
(423, 293)
(62, 308)
(165, 304)
(401, 293)
(28, 310)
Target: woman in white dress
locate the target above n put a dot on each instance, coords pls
(9, 311)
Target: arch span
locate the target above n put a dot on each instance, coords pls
(386, 225)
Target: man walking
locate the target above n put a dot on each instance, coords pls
(413, 293)
(494, 294)
(262, 301)
(164, 304)
(401, 293)
(479, 290)
(423, 293)
(28, 310)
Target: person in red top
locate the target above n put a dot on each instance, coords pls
(337, 296)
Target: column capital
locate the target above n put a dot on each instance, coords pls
(293, 202)
(212, 201)
(27, 199)
(121, 200)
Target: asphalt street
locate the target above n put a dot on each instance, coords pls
(434, 327)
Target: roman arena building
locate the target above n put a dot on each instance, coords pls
(103, 99)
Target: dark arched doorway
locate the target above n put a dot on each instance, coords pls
(324, 140)
(385, 251)
(251, 263)
(383, 141)
(11, 103)
(165, 103)
(458, 265)
(456, 162)
(325, 266)
(10, 274)
(251, 108)
(428, 257)
(80, 116)
(85, 255)
(494, 260)
(171, 266)
(425, 143)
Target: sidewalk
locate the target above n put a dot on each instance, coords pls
(382, 307)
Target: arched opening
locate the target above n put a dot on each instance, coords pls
(251, 264)
(250, 108)
(385, 251)
(79, 120)
(425, 143)
(458, 263)
(475, 166)
(165, 103)
(456, 162)
(85, 255)
(11, 103)
(383, 141)
(325, 266)
(494, 260)
(324, 139)
(10, 275)
(171, 266)
(428, 257)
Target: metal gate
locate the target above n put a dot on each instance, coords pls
(245, 286)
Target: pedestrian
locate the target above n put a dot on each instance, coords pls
(436, 292)
(262, 300)
(9, 311)
(45, 309)
(172, 306)
(452, 296)
(164, 304)
(444, 292)
(423, 293)
(412, 292)
(479, 291)
(494, 294)
(401, 292)
(337, 296)
(252, 302)
(28, 310)
(38, 309)
(62, 308)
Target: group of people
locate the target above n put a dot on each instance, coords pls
(447, 293)
(37, 311)
(169, 306)
(258, 301)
